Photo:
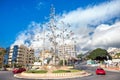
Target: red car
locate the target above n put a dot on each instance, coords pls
(100, 71)
(18, 70)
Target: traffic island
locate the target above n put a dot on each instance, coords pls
(61, 73)
(52, 75)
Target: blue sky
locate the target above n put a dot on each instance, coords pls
(17, 15)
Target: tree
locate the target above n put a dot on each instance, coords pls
(117, 55)
(2, 53)
(79, 55)
(99, 54)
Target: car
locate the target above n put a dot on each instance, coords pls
(100, 71)
(18, 70)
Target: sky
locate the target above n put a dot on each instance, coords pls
(95, 23)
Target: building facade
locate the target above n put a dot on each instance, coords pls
(67, 51)
(113, 52)
(19, 55)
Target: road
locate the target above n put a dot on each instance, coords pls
(7, 75)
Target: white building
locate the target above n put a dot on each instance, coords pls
(69, 51)
(113, 52)
(20, 55)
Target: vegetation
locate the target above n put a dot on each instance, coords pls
(2, 51)
(79, 55)
(37, 71)
(117, 56)
(99, 54)
(6, 65)
(61, 71)
(66, 71)
(56, 71)
(61, 62)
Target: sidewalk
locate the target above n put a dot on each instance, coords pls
(110, 68)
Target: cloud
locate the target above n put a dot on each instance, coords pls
(104, 36)
(107, 35)
(93, 15)
(88, 20)
(90, 27)
(27, 36)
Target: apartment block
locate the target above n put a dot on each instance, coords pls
(68, 51)
(20, 55)
(113, 52)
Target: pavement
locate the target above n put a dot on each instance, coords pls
(110, 68)
(107, 68)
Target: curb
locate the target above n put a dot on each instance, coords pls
(57, 76)
(111, 70)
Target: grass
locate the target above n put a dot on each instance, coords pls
(61, 71)
(37, 71)
(55, 71)
(66, 71)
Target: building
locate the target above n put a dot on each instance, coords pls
(67, 51)
(113, 52)
(19, 55)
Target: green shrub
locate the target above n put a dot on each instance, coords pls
(37, 71)
(61, 71)
(61, 62)
(66, 71)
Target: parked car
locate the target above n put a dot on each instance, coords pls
(100, 71)
(18, 70)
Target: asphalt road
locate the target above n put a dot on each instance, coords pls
(8, 75)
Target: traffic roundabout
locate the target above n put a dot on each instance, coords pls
(51, 75)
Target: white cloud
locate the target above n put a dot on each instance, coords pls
(107, 35)
(26, 37)
(104, 36)
(81, 20)
(94, 15)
